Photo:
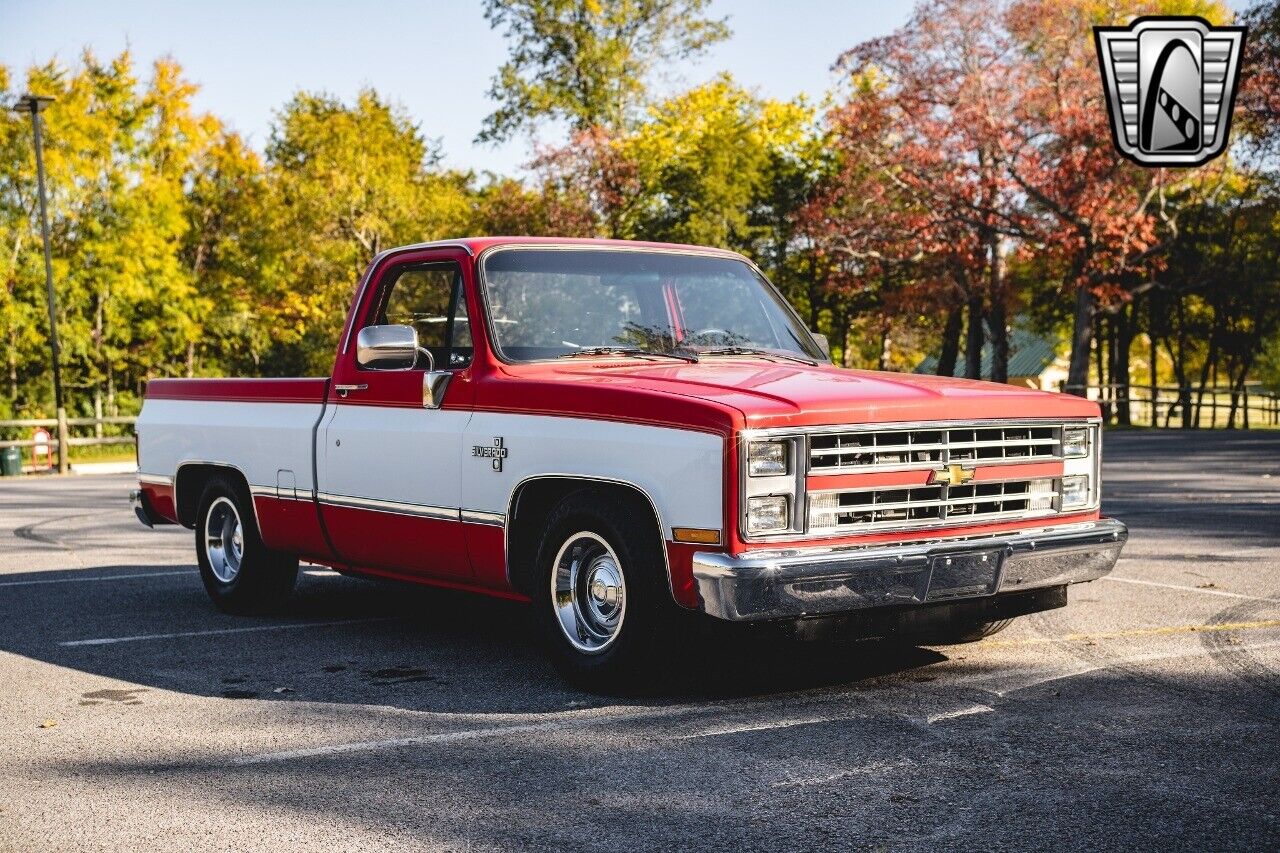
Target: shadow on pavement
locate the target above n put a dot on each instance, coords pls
(355, 641)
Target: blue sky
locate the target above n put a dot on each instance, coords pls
(434, 58)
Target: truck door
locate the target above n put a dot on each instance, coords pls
(389, 454)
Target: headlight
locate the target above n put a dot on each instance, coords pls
(1075, 442)
(767, 458)
(1075, 491)
(767, 514)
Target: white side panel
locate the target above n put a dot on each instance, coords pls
(681, 470)
(406, 455)
(258, 438)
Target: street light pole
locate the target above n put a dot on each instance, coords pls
(34, 104)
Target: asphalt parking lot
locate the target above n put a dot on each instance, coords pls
(370, 716)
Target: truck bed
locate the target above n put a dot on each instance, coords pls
(264, 428)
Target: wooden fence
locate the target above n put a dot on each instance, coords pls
(99, 436)
(1188, 407)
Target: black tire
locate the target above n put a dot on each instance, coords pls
(631, 656)
(969, 632)
(262, 579)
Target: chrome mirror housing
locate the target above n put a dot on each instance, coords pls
(387, 347)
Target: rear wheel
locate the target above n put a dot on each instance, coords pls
(601, 597)
(239, 572)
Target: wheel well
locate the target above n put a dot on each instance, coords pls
(531, 506)
(189, 485)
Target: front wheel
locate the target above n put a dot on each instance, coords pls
(239, 572)
(601, 600)
(968, 632)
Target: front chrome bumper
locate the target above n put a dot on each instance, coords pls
(780, 584)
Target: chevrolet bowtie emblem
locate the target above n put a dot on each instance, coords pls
(952, 475)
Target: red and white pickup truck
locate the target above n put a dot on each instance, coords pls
(617, 431)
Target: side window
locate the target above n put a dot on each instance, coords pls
(430, 298)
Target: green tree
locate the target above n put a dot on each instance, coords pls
(346, 182)
(586, 62)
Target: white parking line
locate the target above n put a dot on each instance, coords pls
(1013, 682)
(107, 641)
(959, 712)
(570, 720)
(136, 576)
(1182, 588)
(763, 727)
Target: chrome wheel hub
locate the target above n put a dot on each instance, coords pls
(224, 540)
(588, 592)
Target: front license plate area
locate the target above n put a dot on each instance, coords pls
(963, 575)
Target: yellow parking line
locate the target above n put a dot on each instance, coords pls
(1138, 632)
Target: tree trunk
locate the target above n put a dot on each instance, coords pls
(1210, 364)
(997, 321)
(846, 356)
(999, 326)
(1100, 359)
(1081, 343)
(1153, 367)
(951, 342)
(1120, 364)
(885, 348)
(973, 348)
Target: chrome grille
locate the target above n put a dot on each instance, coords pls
(901, 507)
(910, 449)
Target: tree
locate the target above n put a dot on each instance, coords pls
(947, 80)
(586, 62)
(346, 182)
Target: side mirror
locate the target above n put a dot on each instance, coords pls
(387, 347)
(823, 344)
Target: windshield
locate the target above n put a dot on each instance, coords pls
(556, 303)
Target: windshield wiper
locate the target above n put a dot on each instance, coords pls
(736, 350)
(634, 351)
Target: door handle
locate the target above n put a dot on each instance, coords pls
(344, 390)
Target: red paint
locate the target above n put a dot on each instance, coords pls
(889, 479)
(738, 546)
(414, 546)
(720, 395)
(487, 548)
(291, 525)
(426, 580)
(161, 500)
(680, 562)
(310, 390)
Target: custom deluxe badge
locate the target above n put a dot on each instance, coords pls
(1170, 84)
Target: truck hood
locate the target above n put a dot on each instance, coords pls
(782, 394)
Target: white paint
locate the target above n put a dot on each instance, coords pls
(257, 438)
(763, 727)
(142, 576)
(1182, 588)
(423, 456)
(407, 455)
(569, 721)
(878, 768)
(1003, 685)
(108, 641)
(681, 470)
(959, 712)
